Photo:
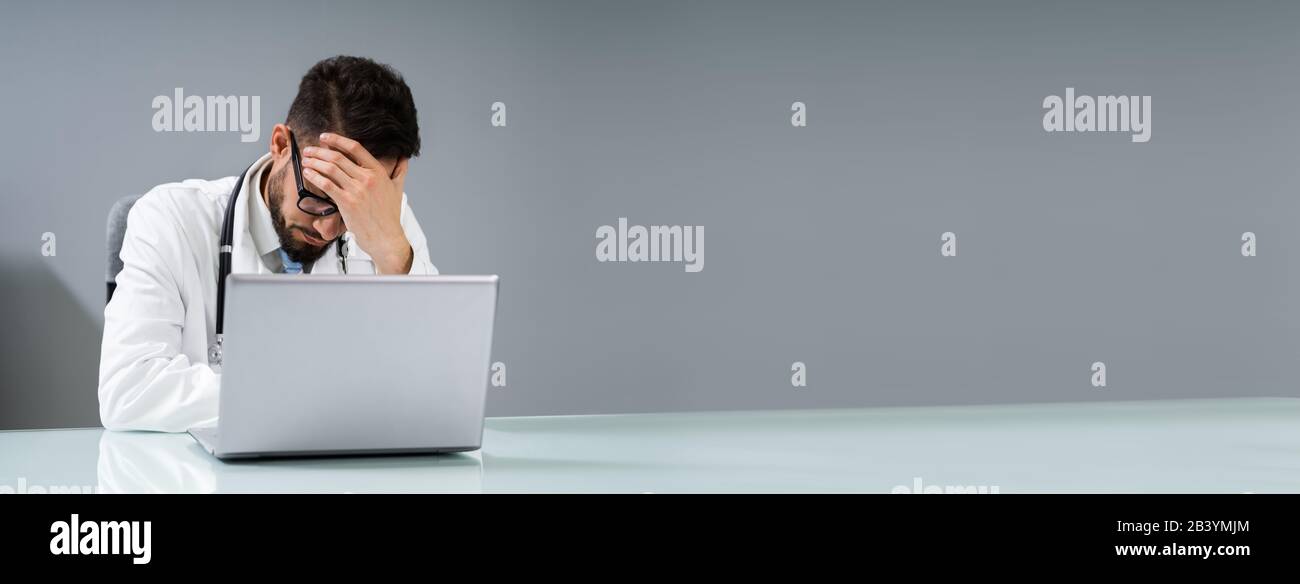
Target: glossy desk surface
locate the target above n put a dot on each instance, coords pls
(1230, 445)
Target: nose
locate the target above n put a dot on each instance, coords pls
(330, 227)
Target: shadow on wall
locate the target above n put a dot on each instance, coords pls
(49, 351)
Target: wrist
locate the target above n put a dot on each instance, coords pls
(397, 258)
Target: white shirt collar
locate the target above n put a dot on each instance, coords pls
(260, 223)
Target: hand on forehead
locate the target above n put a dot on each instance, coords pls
(349, 150)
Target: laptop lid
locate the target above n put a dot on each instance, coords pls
(354, 364)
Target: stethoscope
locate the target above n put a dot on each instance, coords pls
(224, 250)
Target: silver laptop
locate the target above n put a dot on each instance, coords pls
(341, 365)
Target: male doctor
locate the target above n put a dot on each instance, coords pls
(354, 123)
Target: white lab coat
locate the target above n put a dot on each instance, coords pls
(153, 368)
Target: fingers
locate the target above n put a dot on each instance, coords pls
(335, 171)
(352, 149)
(332, 157)
(340, 195)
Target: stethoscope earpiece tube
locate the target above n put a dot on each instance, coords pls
(224, 249)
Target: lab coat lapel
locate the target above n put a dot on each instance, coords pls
(244, 258)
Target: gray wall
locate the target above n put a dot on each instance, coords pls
(822, 242)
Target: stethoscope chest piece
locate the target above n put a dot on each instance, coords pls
(214, 353)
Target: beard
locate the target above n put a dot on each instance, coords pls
(297, 250)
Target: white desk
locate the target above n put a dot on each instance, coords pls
(1233, 446)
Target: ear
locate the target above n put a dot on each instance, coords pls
(280, 141)
(399, 172)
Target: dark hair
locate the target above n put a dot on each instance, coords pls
(356, 97)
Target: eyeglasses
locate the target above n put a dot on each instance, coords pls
(308, 201)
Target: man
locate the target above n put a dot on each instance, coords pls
(355, 123)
